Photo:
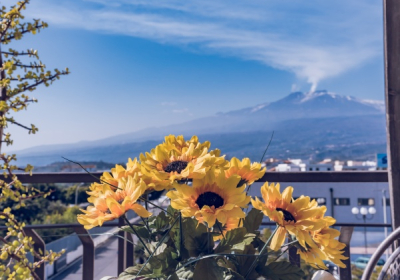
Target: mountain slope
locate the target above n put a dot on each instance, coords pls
(306, 125)
(335, 137)
(262, 117)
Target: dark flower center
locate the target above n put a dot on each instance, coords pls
(241, 182)
(287, 216)
(176, 166)
(209, 199)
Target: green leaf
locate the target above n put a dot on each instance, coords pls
(197, 239)
(172, 212)
(234, 239)
(160, 223)
(208, 269)
(141, 231)
(176, 238)
(281, 271)
(164, 263)
(244, 263)
(253, 220)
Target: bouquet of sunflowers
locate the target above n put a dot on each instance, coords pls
(207, 231)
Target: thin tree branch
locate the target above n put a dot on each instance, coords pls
(51, 78)
(21, 125)
(29, 66)
(11, 19)
(19, 53)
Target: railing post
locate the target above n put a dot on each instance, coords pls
(121, 246)
(88, 253)
(130, 250)
(38, 246)
(345, 237)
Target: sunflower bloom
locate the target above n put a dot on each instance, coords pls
(176, 159)
(113, 204)
(214, 197)
(296, 217)
(313, 256)
(247, 171)
(117, 173)
(332, 248)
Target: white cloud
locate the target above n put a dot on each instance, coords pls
(313, 39)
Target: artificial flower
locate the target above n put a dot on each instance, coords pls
(113, 204)
(214, 197)
(176, 159)
(248, 172)
(332, 248)
(296, 217)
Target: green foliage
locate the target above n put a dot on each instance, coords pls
(190, 252)
(283, 270)
(253, 220)
(208, 269)
(67, 195)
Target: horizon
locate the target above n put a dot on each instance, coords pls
(138, 64)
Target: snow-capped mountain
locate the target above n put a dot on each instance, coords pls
(317, 104)
(329, 115)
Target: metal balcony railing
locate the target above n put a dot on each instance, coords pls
(126, 249)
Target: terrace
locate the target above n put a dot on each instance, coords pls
(392, 177)
(126, 259)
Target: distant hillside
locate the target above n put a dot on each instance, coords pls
(356, 137)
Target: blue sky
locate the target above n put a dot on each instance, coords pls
(148, 63)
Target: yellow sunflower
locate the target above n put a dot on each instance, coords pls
(113, 204)
(176, 159)
(296, 217)
(117, 173)
(214, 197)
(332, 248)
(246, 170)
(108, 182)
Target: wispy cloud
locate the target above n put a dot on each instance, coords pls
(313, 39)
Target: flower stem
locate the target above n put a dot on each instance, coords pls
(155, 205)
(287, 245)
(180, 233)
(134, 230)
(220, 229)
(259, 255)
(158, 245)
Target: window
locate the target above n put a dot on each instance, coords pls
(341, 201)
(366, 201)
(329, 169)
(310, 169)
(317, 168)
(320, 200)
